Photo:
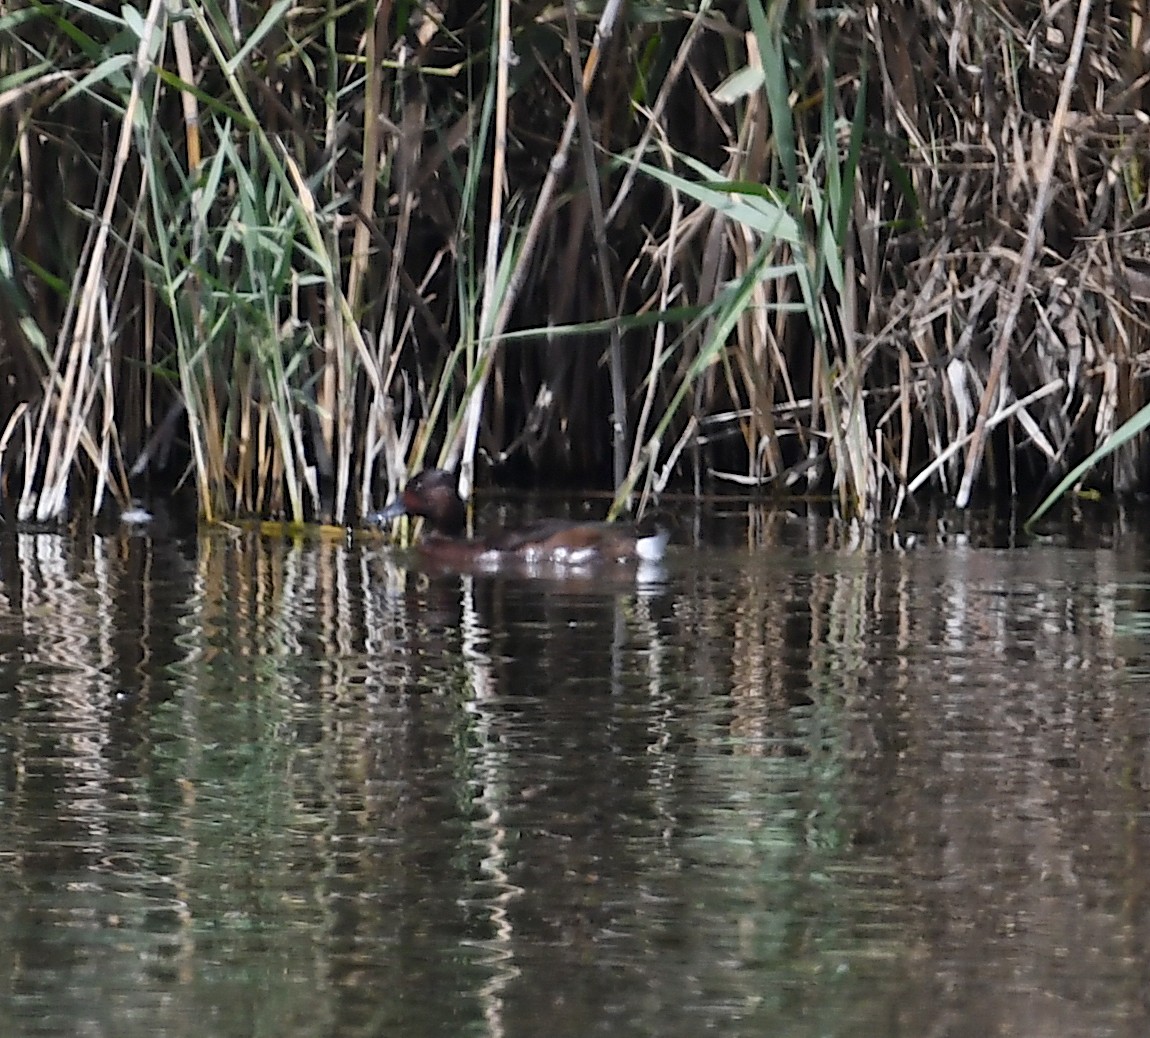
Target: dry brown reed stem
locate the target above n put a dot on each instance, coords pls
(759, 358)
(1026, 260)
(37, 87)
(78, 390)
(192, 402)
(15, 420)
(412, 294)
(663, 301)
(389, 343)
(652, 126)
(999, 416)
(311, 224)
(487, 340)
(599, 226)
(494, 330)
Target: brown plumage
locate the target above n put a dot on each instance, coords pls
(432, 494)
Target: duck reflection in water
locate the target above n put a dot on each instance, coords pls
(555, 544)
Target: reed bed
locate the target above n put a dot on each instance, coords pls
(286, 253)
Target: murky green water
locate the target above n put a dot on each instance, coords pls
(259, 788)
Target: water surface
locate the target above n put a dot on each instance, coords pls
(787, 783)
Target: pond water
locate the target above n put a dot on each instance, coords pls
(785, 784)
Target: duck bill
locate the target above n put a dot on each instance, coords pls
(393, 511)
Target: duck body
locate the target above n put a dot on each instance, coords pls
(558, 543)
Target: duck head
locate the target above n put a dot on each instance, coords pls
(432, 494)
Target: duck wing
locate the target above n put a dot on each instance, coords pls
(544, 533)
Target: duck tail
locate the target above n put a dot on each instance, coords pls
(651, 547)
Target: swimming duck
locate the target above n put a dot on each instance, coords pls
(432, 494)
